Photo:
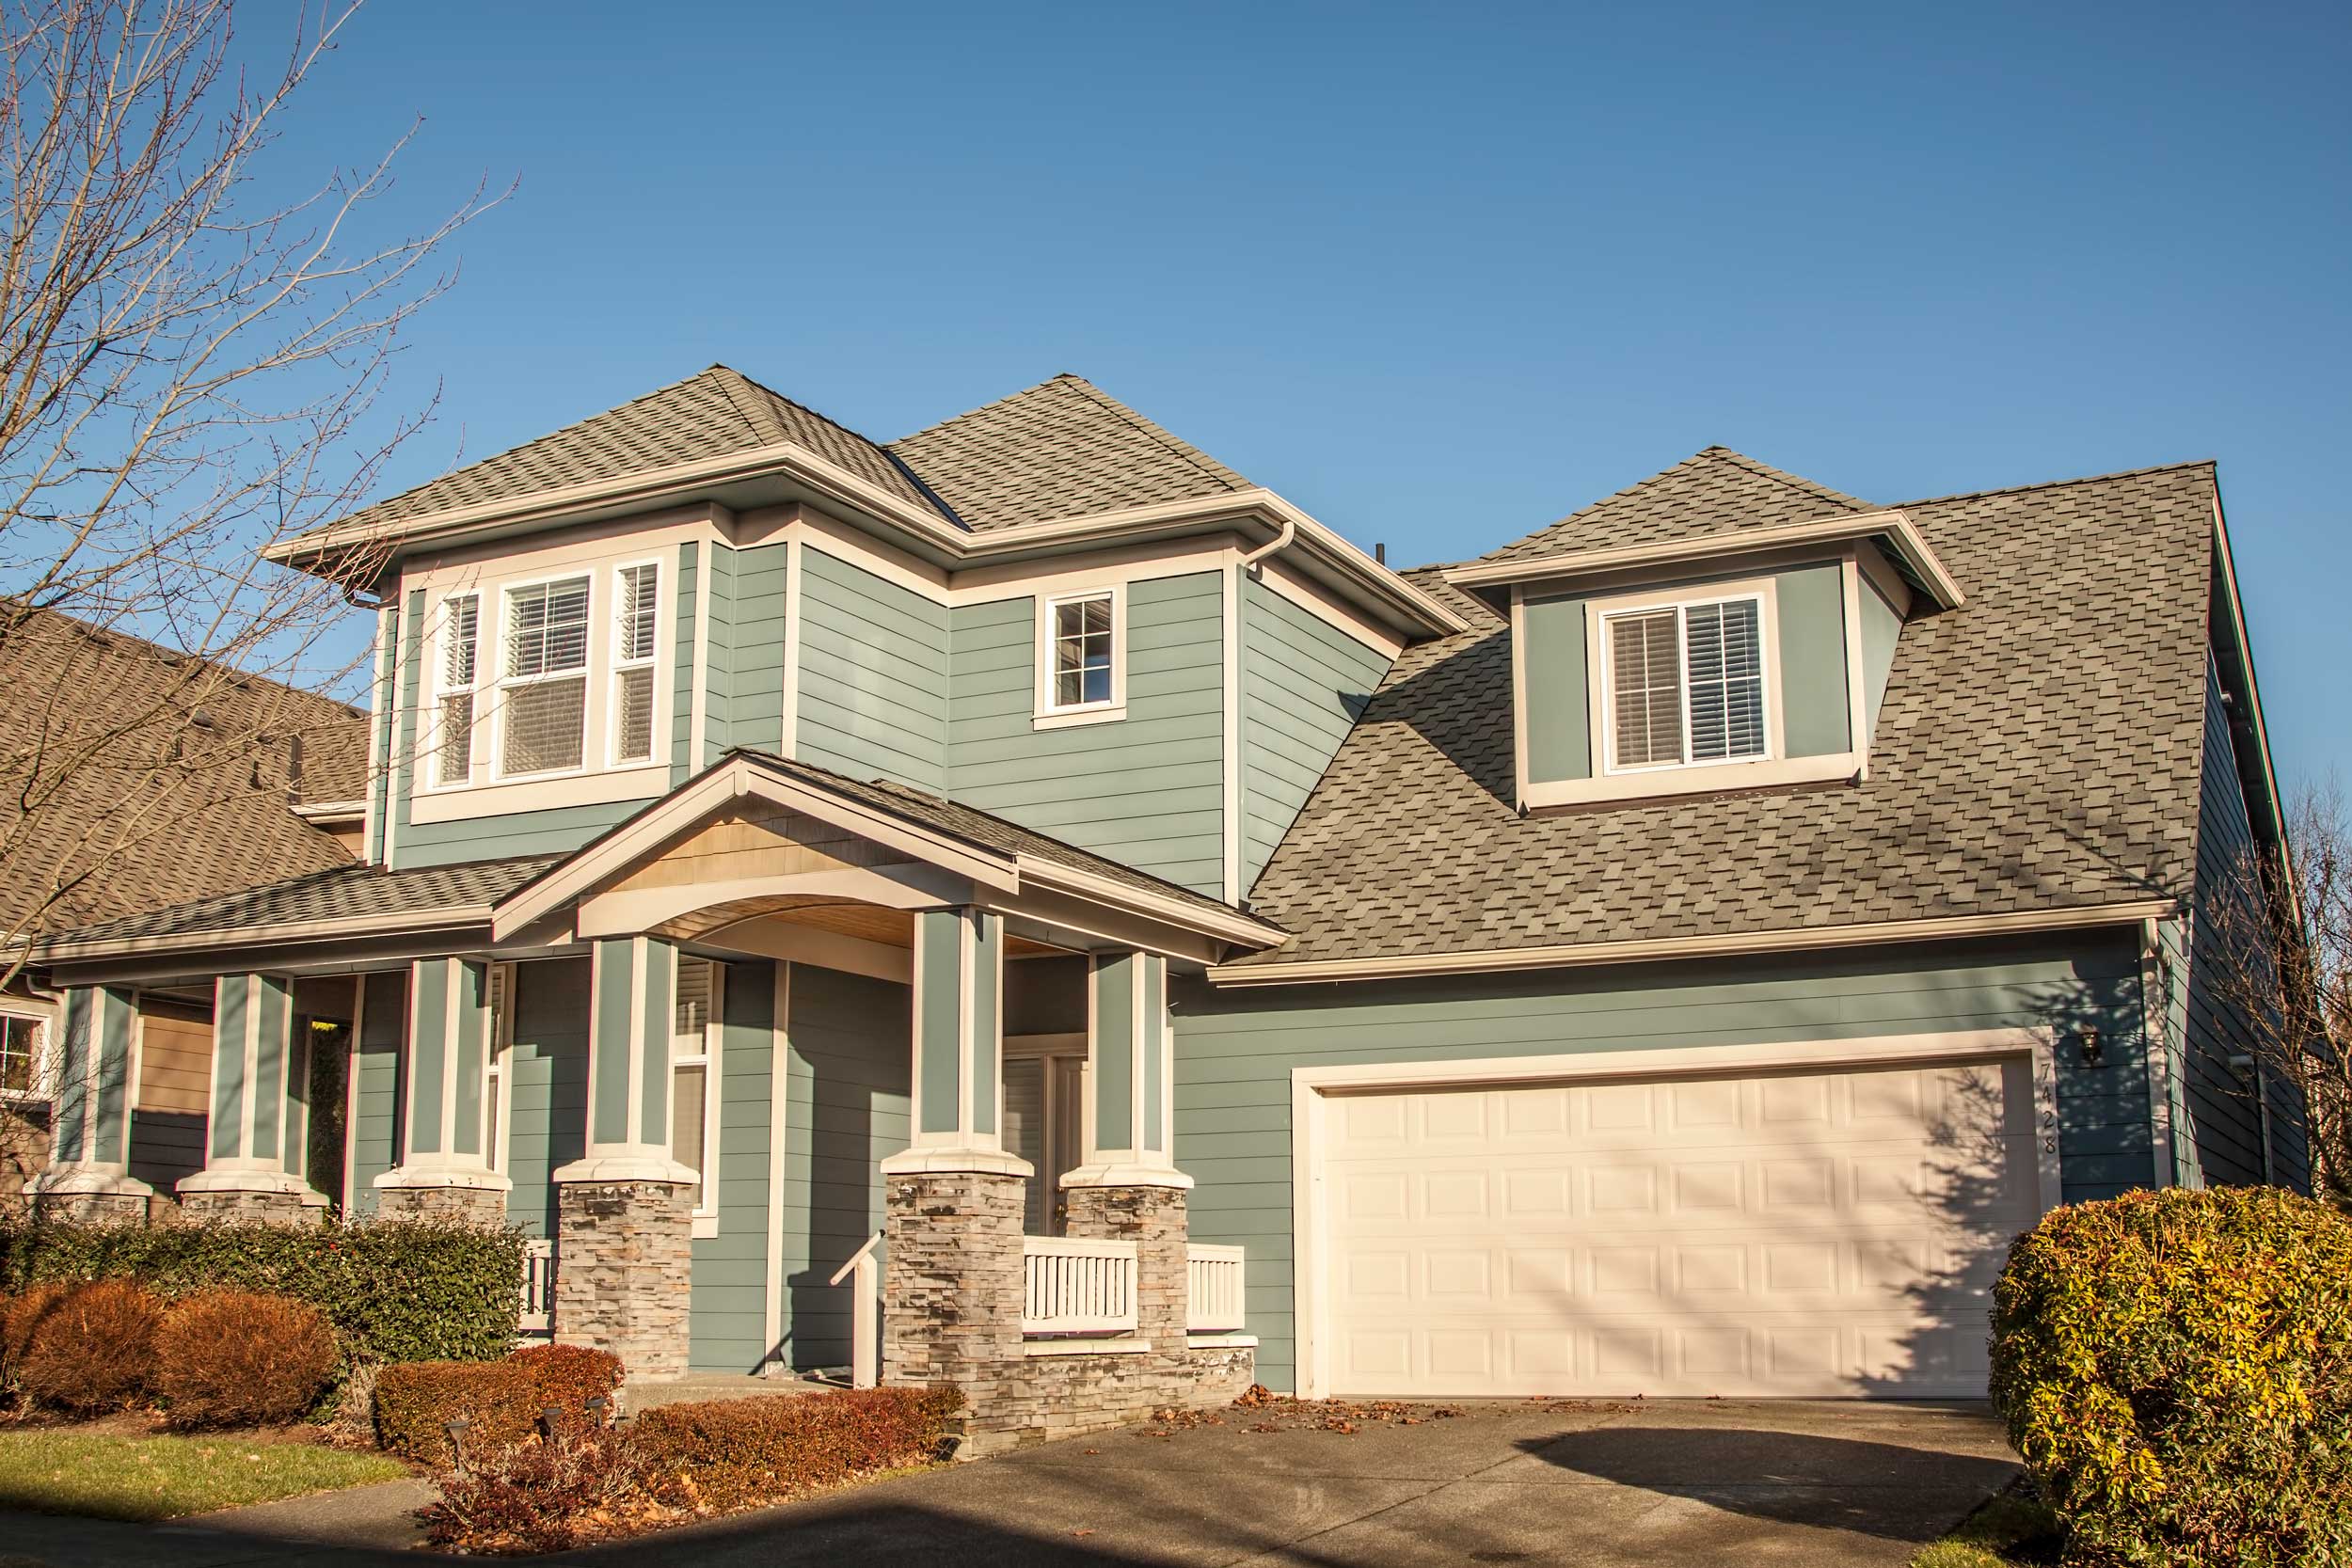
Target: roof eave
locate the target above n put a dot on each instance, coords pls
(1892, 526)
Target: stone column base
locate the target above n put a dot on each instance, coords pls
(1156, 1219)
(952, 1281)
(480, 1202)
(623, 1254)
(83, 1196)
(241, 1194)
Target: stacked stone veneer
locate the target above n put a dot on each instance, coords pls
(953, 1287)
(627, 1252)
(477, 1205)
(248, 1204)
(91, 1208)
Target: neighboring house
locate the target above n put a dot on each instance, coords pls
(1673, 952)
(190, 780)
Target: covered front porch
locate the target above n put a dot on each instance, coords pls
(786, 1072)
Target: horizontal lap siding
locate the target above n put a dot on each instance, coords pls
(1148, 789)
(547, 1086)
(693, 583)
(728, 1305)
(167, 1145)
(1235, 1050)
(873, 663)
(2225, 1120)
(374, 1138)
(846, 1079)
(1304, 682)
(755, 710)
(522, 832)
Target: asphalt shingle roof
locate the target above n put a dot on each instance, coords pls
(344, 892)
(1717, 491)
(2038, 747)
(1061, 449)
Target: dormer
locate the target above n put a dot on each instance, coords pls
(1750, 658)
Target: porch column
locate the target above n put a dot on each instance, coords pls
(88, 1176)
(625, 1211)
(444, 1165)
(252, 1155)
(1128, 1187)
(952, 1276)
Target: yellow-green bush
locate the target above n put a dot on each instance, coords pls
(2175, 1369)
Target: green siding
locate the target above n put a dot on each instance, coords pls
(1881, 629)
(655, 1011)
(938, 938)
(373, 1137)
(754, 640)
(1235, 1050)
(233, 993)
(406, 677)
(428, 1047)
(472, 1047)
(873, 699)
(1113, 1068)
(1303, 684)
(523, 833)
(270, 1047)
(381, 698)
(1559, 720)
(611, 980)
(547, 1086)
(727, 1313)
(846, 1083)
(1815, 717)
(1147, 789)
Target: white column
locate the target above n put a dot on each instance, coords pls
(959, 1045)
(1130, 1103)
(445, 1139)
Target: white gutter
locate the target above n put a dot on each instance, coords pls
(1279, 542)
(1585, 954)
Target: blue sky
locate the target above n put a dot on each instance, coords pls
(1438, 273)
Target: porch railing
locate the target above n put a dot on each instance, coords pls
(1213, 1274)
(1074, 1286)
(864, 1274)
(538, 1314)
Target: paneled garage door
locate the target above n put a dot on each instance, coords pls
(1812, 1233)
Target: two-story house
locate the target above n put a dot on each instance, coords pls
(1672, 953)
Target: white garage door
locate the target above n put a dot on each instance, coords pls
(1819, 1233)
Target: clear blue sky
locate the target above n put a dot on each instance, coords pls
(1438, 273)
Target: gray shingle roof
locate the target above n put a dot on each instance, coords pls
(345, 892)
(711, 415)
(1061, 449)
(1711, 492)
(2038, 747)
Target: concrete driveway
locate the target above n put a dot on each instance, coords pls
(1564, 1482)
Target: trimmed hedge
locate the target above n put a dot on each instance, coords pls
(241, 1358)
(2175, 1369)
(395, 1290)
(741, 1454)
(500, 1401)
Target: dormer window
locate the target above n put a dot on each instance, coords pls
(1683, 683)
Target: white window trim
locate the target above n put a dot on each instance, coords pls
(705, 1216)
(1049, 715)
(437, 651)
(652, 660)
(500, 1066)
(41, 1088)
(1601, 674)
(599, 640)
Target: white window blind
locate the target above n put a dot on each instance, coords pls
(546, 697)
(1686, 684)
(460, 663)
(638, 618)
(1082, 651)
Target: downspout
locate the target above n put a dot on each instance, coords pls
(1279, 542)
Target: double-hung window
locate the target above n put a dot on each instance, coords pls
(461, 650)
(694, 1080)
(1685, 684)
(1080, 649)
(20, 1066)
(636, 610)
(495, 1095)
(543, 682)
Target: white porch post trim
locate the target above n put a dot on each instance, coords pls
(444, 1141)
(1130, 1112)
(957, 1104)
(632, 993)
(253, 1052)
(97, 1090)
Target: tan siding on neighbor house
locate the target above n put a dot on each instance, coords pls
(175, 1062)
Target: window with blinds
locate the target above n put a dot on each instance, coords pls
(637, 619)
(545, 695)
(461, 637)
(1686, 684)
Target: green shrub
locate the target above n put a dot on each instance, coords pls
(395, 1290)
(498, 1401)
(93, 1350)
(241, 1358)
(2175, 1369)
(741, 1454)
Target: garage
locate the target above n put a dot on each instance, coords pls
(1805, 1231)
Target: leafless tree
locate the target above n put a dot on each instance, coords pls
(189, 371)
(2275, 951)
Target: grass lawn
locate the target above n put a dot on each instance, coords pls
(2008, 1531)
(162, 1478)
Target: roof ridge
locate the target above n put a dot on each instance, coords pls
(1765, 470)
(981, 408)
(2213, 463)
(889, 456)
(1154, 429)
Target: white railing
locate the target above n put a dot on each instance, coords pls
(538, 1315)
(863, 1273)
(1071, 1285)
(1213, 1274)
